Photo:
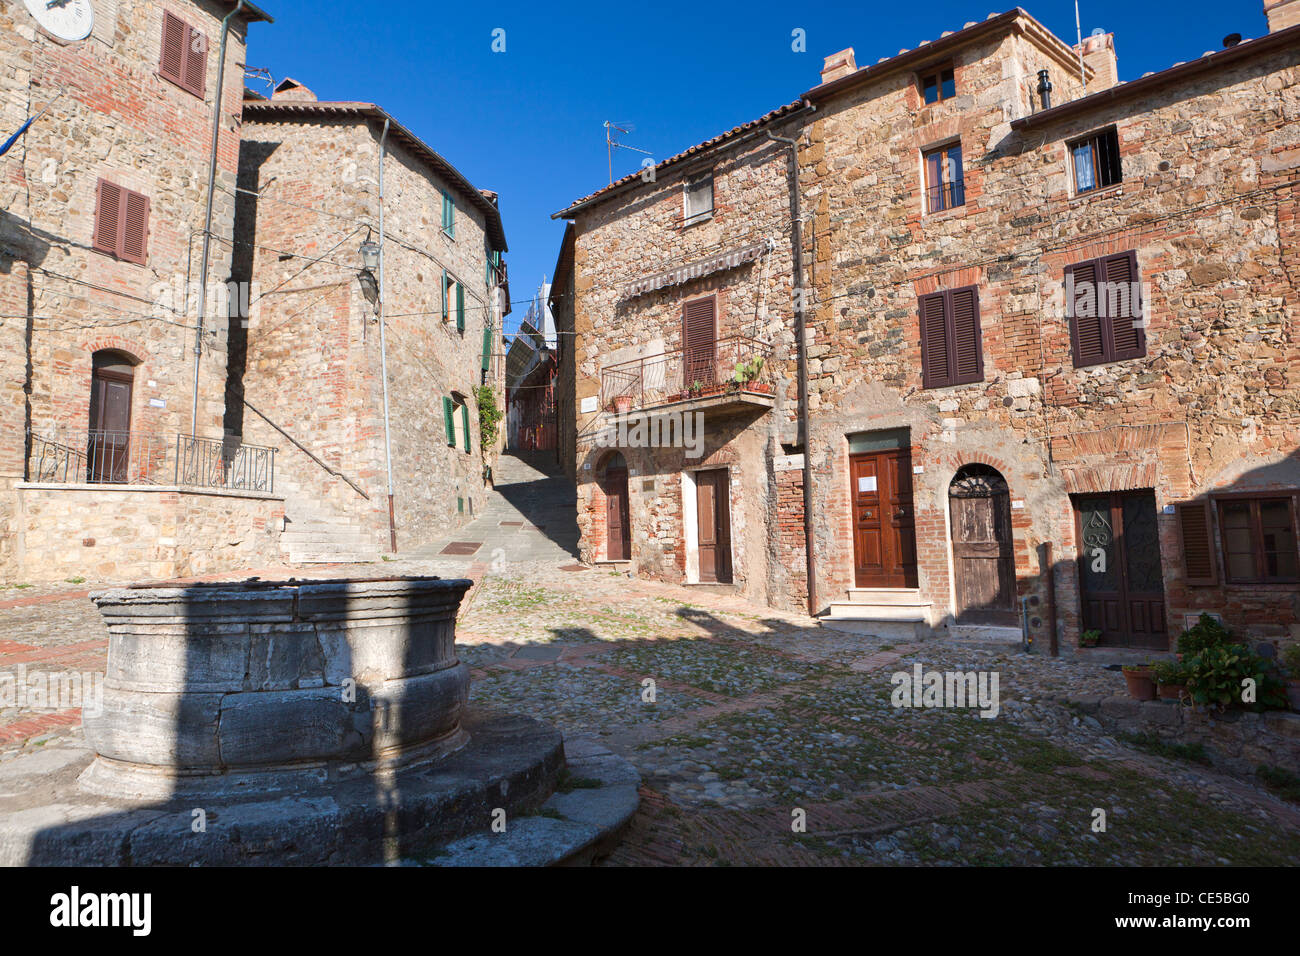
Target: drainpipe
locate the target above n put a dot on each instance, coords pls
(383, 345)
(207, 218)
(801, 341)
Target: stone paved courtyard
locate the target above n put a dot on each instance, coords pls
(757, 714)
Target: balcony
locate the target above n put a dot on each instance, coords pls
(141, 458)
(729, 375)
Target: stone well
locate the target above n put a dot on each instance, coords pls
(271, 684)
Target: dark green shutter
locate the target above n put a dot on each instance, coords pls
(448, 410)
(460, 307)
(487, 346)
(464, 420)
(444, 295)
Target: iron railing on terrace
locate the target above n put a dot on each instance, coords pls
(141, 458)
(736, 363)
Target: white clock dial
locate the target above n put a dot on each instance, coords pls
(66, 19)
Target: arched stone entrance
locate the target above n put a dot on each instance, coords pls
(984, 568)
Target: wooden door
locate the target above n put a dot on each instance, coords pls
(713, 516)
(884, 522)
(699, 342)
(618, 526)
(979, 505)
(109, 446)
(1121, 583)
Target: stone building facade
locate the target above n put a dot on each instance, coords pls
(683, 381)
(102, 210)
(991, 444)
(307, 368)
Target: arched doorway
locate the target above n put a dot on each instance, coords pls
(109, 441)
(618, 521)
(979, 504)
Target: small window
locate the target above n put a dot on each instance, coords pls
(1104, 304)
(453, 300)
(944, 183)
(952, 351)
(448, 216)
(1259, 540)
(1096, 161)
(699, 198)
(184, 59)
(455, 419)
(939, 84)
(121, 222)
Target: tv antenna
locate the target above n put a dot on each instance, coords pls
(612, 133)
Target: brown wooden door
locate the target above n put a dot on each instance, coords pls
(699, 342)
(984, 565)
(618, 526)
(1120, 578)
(109, 446)
(884, 523)
(713, 515)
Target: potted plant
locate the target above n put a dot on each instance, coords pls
(696, 388)
(1170, 678)
(1140, 684)
(1291, 661)
(623, 404)
(1206, 632)
(746, 372)
(1090, 638)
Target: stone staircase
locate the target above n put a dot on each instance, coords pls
(894, 613)
(314, 535)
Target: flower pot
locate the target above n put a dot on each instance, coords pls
(1293, 693)
(623, 404)
(1171, 691)
(1140, 684)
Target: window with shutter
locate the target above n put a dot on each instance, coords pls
(487, 347)
(121, 226)
(445, 304)
(184, 59)
(1105, 309)
(1259, 539)
(460, 307)
(952, 350)
(1197, 542)
(449, 420)
(464, 423)
(448, 216)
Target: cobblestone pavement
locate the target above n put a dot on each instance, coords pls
(756, 719)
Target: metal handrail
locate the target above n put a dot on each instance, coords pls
(734, 362)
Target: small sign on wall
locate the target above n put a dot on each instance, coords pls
(918, 469)
(1018, 503)
(589, 404)
(866, 483)
(157, 403)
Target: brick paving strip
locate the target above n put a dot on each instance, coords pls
(29, 727)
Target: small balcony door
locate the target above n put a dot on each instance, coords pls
(108, 448)
(699, 343)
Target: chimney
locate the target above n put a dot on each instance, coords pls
(1281, 14)
(1044, 90)
(1099, 53)
(837, 65)
(291, 89)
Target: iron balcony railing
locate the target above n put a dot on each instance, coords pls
(141, 458)
(946, 195)
(737, 363)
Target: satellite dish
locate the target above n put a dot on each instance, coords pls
(1098, 32)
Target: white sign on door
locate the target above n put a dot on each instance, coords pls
(867, 483)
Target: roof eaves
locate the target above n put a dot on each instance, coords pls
(251, 13)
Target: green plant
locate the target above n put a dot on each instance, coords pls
(489, 416)
(1090, 638)
(1216, 676)
(748, 370)
(1143, 668)
(1291, 661)
(1169, 673)
(696, 387)
(1206, 632)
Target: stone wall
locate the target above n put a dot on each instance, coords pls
(124, 533)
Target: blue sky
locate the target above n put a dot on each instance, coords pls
(528, 122)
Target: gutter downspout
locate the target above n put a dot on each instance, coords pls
(207, 218)
(801, 324)
(383, 345)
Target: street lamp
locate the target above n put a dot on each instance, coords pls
(369, 262)
(370, 255)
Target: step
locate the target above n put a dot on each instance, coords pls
(908, 596)
(333, 557)
(985, 634)
(321, 537)
(914, 613)
(898, 631)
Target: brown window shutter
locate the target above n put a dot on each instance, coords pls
(967, 354)
(1124, 299)
(934, 342)
(108, 201)
(196, 62)
(699, 337)
(174, 34)
(1194, 529)
(135, 227)
(1086, 335)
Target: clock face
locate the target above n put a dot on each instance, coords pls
(66, 19)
